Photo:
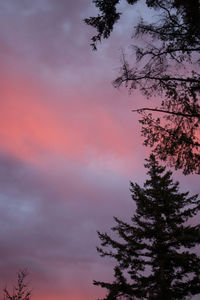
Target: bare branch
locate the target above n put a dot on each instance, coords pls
(167, 112)
(163, 78)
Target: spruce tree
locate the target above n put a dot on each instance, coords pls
(155, 253)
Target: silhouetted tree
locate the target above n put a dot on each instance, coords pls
(154, 257)
(169, 68)
(21, 290)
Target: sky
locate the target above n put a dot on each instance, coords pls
(69, 145)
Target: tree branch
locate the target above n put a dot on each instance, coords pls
(164, 78)
(169, 51)
(167, 112)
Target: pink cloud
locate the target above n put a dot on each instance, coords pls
(73, 128)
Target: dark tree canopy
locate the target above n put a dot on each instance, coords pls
(154, 254)
(169, 69)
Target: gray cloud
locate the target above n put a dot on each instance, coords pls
(49, 223)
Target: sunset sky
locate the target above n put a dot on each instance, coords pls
(69, 145)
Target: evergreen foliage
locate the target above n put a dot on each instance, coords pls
(155, 257)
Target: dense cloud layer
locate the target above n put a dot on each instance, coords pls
(69, 146)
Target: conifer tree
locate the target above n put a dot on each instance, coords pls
(155, 255)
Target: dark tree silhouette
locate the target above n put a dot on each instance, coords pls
(21, 290)
(153, 254)
(169, 66)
